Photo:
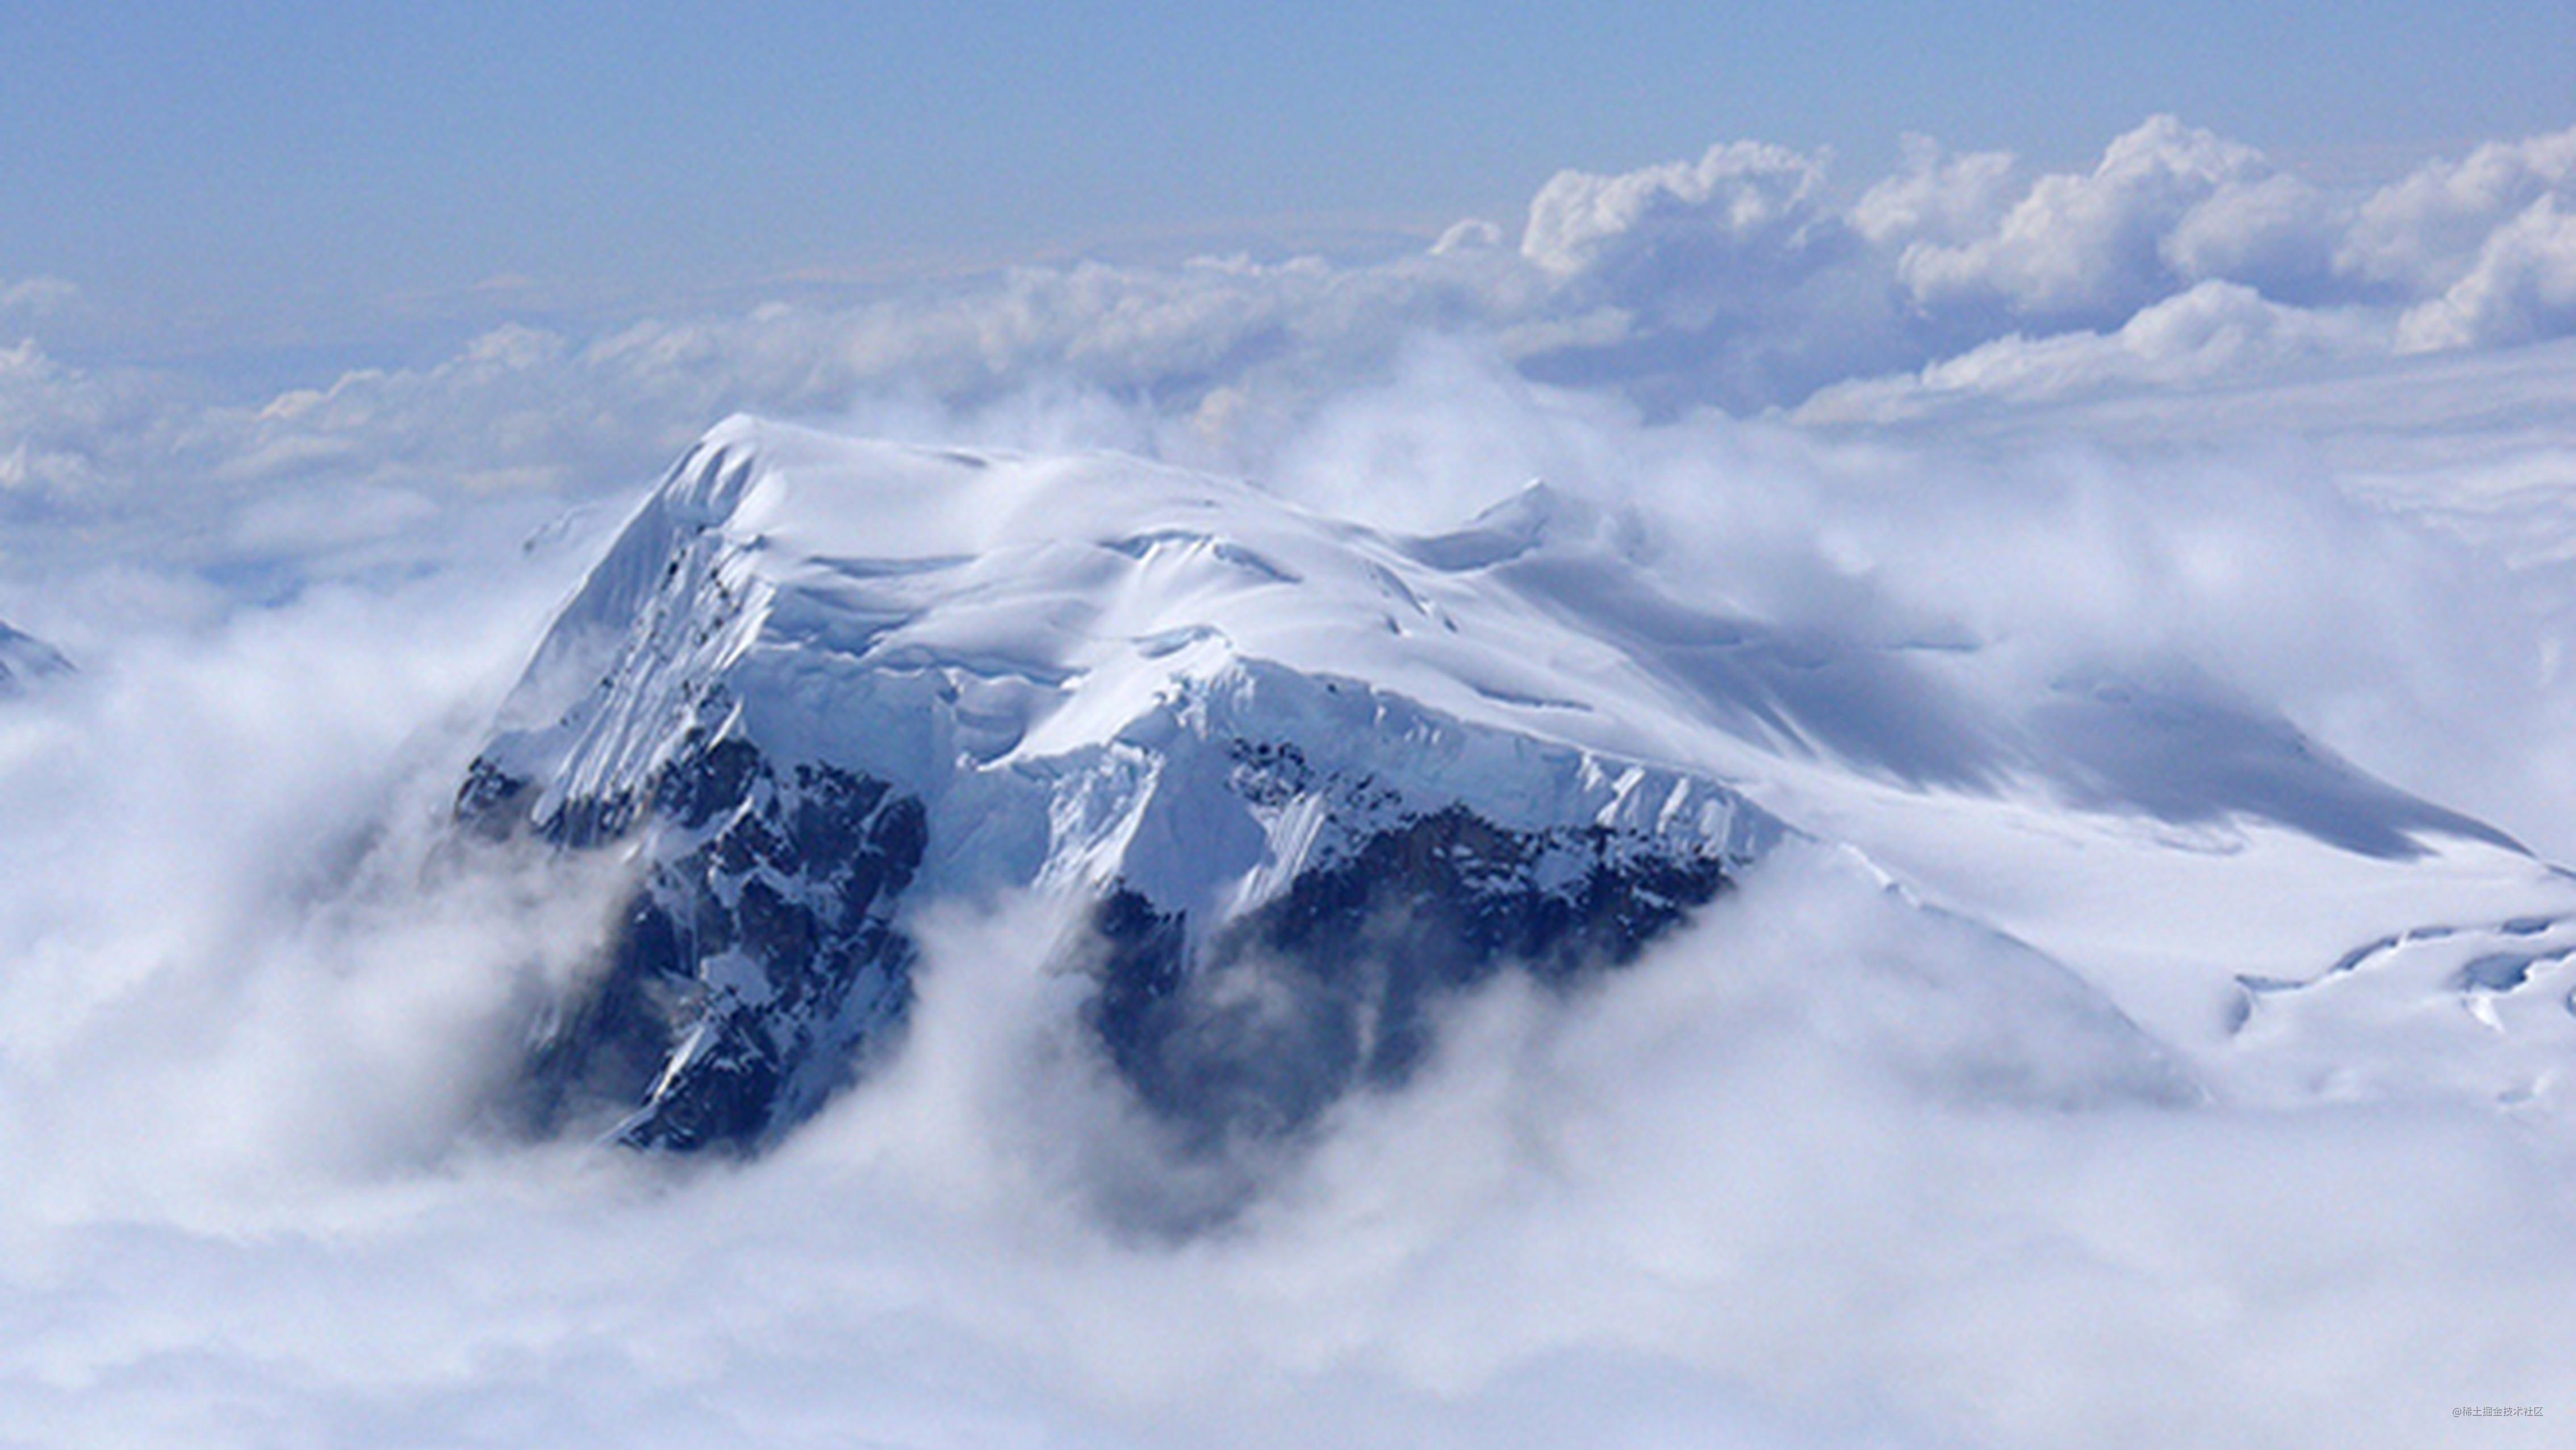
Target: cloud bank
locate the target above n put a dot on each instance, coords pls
(1748, 279)
(1817, 1173)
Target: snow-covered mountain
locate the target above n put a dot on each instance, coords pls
(25, 659)
(1308, 777)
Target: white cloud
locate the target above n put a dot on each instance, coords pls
(1474, 234)
(2271, 234)
(1937, 197)
(1737, 280)
(2167, 206)
(2215, 330)
(2425, 232)
(1741, 199)
(1763, 1185)
(2521, 288)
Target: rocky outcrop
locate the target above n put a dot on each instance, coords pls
(1334, 983)
(753, 961)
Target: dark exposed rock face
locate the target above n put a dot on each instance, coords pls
(756, 957)
(1332, 984)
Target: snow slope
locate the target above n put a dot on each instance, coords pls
(1334, 772)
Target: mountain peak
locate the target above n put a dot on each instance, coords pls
(1275, 758)
(819, 679)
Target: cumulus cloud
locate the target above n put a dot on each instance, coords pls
(1733, 279)
(1474, 234)
(1739, 280)
(2521, 287)
(1937, 198)
(63, 428)
(2215, 330)
(1744, 200)
(1743, 283)
(2168, 206)
(2423, 233)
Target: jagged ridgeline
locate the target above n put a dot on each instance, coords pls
(1305, 778)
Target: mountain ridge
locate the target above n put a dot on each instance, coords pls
(807, 717)
(1312, 778)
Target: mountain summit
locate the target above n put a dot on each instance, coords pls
(1307, 779)
(818, 679)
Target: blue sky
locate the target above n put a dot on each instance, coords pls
(272, 175)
